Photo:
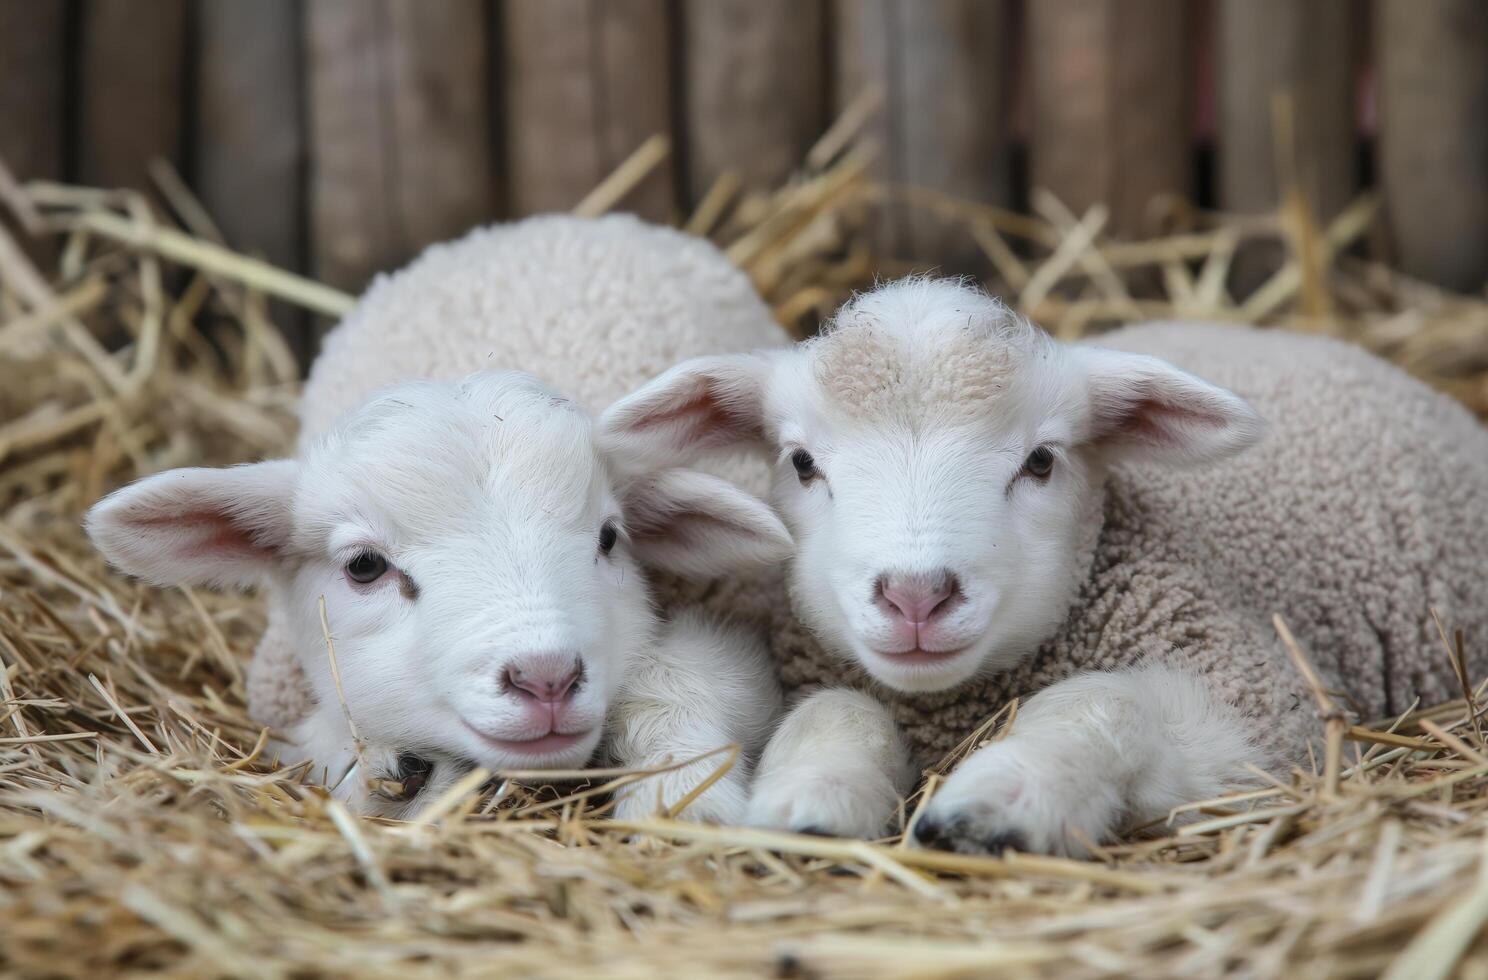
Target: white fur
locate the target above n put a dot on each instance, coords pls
(921, 406)
(701, 687)
(488, 494)
(1088, 757)
(487, 498)
(921, 475)
(837, 765)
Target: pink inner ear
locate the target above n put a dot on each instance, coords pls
(209, 534)
(1152, 421)
(708, 421)
(683, 527)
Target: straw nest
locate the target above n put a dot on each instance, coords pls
(143, 828)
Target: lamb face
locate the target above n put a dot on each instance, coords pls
(466, 542)
(477, 557)
(939, 463)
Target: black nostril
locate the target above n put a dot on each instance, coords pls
(509, 681)
(544, 678)
(917, 596)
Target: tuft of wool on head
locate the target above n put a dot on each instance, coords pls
(925, 349)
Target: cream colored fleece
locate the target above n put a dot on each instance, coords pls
(1365, 505)
(595, 307)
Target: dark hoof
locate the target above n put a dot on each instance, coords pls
(1008, 840)
(931, 833)
(413, 774)
(955, 836)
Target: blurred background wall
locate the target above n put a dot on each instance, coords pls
(337, 137)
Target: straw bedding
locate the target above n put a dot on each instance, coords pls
(142, 827)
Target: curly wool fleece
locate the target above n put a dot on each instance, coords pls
(1364, 506)
(595, 307)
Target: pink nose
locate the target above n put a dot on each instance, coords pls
(916, 598)
(545, 678)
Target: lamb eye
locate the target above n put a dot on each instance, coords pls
(1040, 462)
(366, 567)
(805, 465)
(608, 535)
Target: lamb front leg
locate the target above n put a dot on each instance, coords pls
(837, 765)
(700, 688)
(375, 781)
(1088, 756)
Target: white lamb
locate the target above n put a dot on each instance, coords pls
(478, 554)
(981, 512)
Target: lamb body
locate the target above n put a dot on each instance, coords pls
(1129, 605)
(399, 438)
(597, 306)
(594, 306)
(1363, 508)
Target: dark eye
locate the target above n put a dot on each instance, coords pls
(608, 535)
(366, 567)
(805, 465)
(1040, 462)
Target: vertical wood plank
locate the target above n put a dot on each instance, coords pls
(399, 130)
(551, 111)
(1302, 49)
(1433, 142)
(32, 62)
(249, 127)
(1111, 104)
(352, 220)
(944, 120)
(756, 93)
(586, 83)
(131, 89)
(441, 111)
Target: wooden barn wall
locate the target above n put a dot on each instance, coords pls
(338, 137)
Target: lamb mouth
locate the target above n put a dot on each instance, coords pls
(918, 657)
(553, 741)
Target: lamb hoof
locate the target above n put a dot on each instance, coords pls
(804, 802)
(960, 836)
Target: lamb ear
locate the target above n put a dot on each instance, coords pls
(199, 526)
(704, 404)
(1145, 407)
(693, 524)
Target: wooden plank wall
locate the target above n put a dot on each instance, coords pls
(399, 107)
(1111, 111)
(250, 127)
(585, 85)
(1434, 136)
(32, 44)
(338, 137)
(131, 89)
(944, 119)
(33, 112)
(1278, 57)
(755, 88)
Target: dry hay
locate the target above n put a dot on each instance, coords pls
(141, 827)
